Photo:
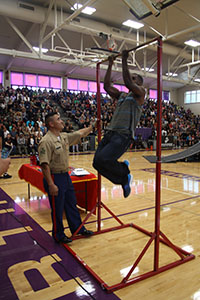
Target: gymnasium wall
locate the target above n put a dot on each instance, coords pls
(174, 96)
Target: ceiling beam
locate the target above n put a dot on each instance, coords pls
(48, 58)
(69, 19)
(19, 44)
(44, 25)
(88, 26)
(193, 28)
(21, 36)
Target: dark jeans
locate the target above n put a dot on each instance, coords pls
(111, 147)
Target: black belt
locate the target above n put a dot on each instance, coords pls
(59, 172)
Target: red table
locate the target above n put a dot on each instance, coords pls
(85, 186)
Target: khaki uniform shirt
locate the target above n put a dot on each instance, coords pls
(54, 150)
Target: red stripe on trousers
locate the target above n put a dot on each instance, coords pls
(54, 214)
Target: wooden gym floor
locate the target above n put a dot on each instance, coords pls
(33, 266)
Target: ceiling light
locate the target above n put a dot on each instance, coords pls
(44, 50)
(87, 10)
(76, 6)
(171, 74)
(133, 24)
(192, 43)
(148, 69)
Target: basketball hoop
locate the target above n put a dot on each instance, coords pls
(111, 45)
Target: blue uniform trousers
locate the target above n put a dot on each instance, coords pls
(111, 147)
(65, 201)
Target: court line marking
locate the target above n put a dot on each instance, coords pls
(172, 190)
(140, 210)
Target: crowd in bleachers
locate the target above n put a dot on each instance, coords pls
(23, 110)
(22, 113)
(182, 125)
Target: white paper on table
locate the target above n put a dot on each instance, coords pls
(79, 172)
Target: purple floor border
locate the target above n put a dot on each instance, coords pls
(37, 245)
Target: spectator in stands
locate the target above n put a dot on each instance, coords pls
(32, 147)
(34, 105)
(4, 164)
(9, 144)
(21, 144)
(13, 134)
(5, 131)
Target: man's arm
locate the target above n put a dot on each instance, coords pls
(112, 91)
(138, 91)
(85, 131)
(53, 189)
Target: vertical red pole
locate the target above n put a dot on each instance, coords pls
(158, 153)
(99, 139)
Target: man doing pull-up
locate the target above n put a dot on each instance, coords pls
(120, 131)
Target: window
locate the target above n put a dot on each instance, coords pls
(187, 97)
(16, 78)
(192, 96)
(198, 96)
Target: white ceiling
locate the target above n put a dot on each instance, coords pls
(20, 29)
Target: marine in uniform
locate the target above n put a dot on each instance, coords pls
(54, 161)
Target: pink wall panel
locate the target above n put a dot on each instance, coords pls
(83, 85)
(101, 88)
(124, 89)
(153, 94)
(72, 84)
(92, 86)
(43, 81)
(55, 82)
(30, 80)
(16, 78)
(117, 86)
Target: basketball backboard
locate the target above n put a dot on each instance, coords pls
(144, 8)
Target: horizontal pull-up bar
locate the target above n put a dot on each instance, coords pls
(132, 49)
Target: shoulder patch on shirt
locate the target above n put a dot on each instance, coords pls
(42, 151)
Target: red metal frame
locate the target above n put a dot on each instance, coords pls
(157, 236)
